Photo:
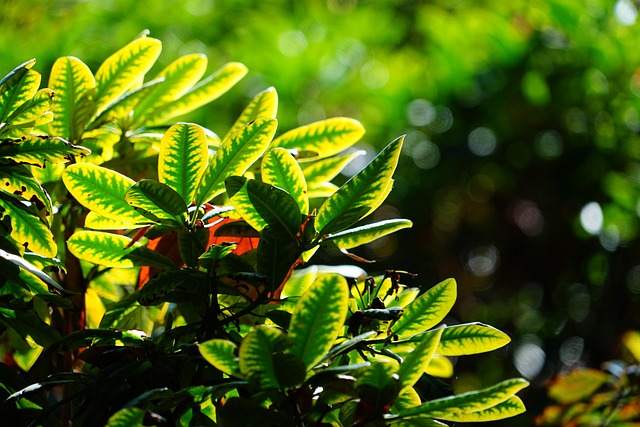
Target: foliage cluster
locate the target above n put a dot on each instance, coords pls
(178, 297)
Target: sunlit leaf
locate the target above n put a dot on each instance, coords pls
(357, 236)
(102, 190)
(178, 77)
(26, 274)
(416, 362)
(264, 104)
(427, 310)
(631, 340)
(109, 250)
(28, 114)
(27, 323)
(360, 193)
(469, 402)
(202, 93)
(324, 170)
(71, 81)
(18, 87)
(471, 338)
(127, 417)
(235, 156)
(318, 318)
(220, 353)
(256, 356)
(183, 159)
(18, 179)
(28, 229)
(279, 168)
(98, 222)
(158, 199)
(41, 151)
(576, 385)
(326, 137)
(121, 70)
(440, 366)
(507, 409)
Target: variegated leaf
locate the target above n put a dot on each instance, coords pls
(157, 199)
(318, 318)
(509, 408)
(264, 104)
(71, 81)
(357, 236)
(178, 77)
(256, 356)
(28, 114)
(220, 353)
(469, 402)
(40, 151)
(119, 72)
(18, 179)
(96, 221)
(204, 92)
(26, 227)
(183, 159)
(235, 156)
(325, 138)
(471, 338)
(324, 170)
(102, 190)
(416, 362)
(280, 169)
(427, 310)
(360, 193)
(18, 87)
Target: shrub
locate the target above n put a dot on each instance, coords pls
(155, 273)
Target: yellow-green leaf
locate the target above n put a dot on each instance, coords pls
(325, 138)
(357, 236)
(415, 364)
(507, 409)
(98, 222)
(323, 170)
(71, 81)
(264, 104)
(280, 169)
(631, 341)
(18, 87)
(28, 114)
(469, 402)
(41, 151)
(576, 385)
(220, 353)
(359, 195)
(235, 156)
(111, 250)
(183, 159)
(178, 77)
(204, 92)
(18, 179)
(318, 318)
(471, 338)
(26, 227)
(102, 190)
(157, 201)
(427, 310)
(256, 356)
(121, 70)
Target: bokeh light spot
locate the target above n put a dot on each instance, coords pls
(292, 43)
(529, 359)
(528, 217)
(633, 280)
(591, 218)
(374, 74)
(549, 144)
(483, 260)
(420, 112)
(571, 350)
(625, 12)
(482, 141)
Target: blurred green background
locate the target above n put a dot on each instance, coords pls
(521, 164)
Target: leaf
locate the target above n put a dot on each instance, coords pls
(108, 250)
(357, 236)
(178, 77)
(262, 204)
(71, 81)
(220, 353)
(631, 340)
(276, 256)
(158, 199)
(123, 69)
(183, 159)
(103, 191)
(416, 362)
(18, 87)
(264, 104)
(280, 169)
(27, 323)
(378, 386)
(38, 151)
(326, 137)
(27, 228)
(119, 312)
(427, 310)
(204, 92)
(347, 345)
(28, 114)
(162, 287)
(98, 222)
(471, 338)
(235, 156)
(361, 193)
(25, 274)
(469, 402)
(19, 180)
(318, 318)
(324, 170)
(127, 417)
(507, 409)
(576, 385)
(256, 356)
